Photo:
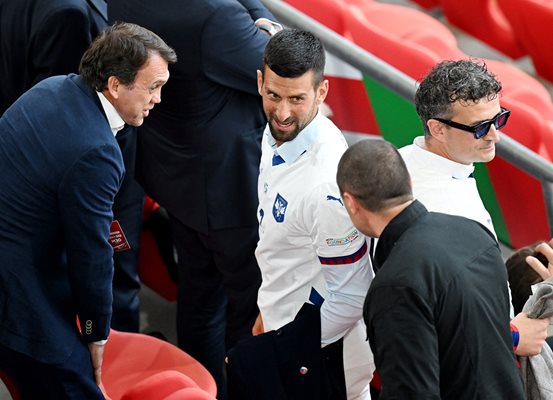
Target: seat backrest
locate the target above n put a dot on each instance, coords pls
(410, 58)
(160, 385)
(130, 358)
(484, 20)
(531, 21)
(327, 12)
(428, 4)
(406, 22)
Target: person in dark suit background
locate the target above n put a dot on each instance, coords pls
(44, 38)
(61, 168)
(198, 157)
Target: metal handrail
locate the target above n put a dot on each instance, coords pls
(401, 84)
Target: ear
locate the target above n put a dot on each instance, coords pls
(113, 87)
(259, 81)
(437, 130)
(322, 91)
(351, 203)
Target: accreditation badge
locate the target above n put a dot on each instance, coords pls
(117, 238)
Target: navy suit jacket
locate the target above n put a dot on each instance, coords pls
(61, 168)
(42, 38)
(198, 151)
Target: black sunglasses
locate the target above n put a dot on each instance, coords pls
(480, 130)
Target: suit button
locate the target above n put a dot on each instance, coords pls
(303, 370)
(278, 332)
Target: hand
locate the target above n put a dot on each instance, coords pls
(268, 26)
(258, 326)
(532, 334)
(543, 271)
(97, 357)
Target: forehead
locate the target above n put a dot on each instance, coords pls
(154, 69)
(470, 111)
(287, 86)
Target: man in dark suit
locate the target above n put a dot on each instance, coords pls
(61, 168)
(198, 157)
(46, 38)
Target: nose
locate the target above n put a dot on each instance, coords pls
(282, 111)
(493, 134)
(156, 96)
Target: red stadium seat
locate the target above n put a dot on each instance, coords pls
(484, 20)
(428, 4)
(165, 385)
(12, 390)
(131, 358)
(409, 24)
(410, 58)
(532, 21)
(327, 12)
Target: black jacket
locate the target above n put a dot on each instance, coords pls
(437, 311)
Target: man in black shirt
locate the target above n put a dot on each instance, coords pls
(437, 312)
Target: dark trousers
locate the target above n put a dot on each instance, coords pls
(217, 293)
(71, 380)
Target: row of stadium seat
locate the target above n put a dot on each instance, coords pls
(513, 27)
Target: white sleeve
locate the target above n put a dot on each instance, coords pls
(344, 257)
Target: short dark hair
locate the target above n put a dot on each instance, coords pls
(522, 276)
(291, 53)
(451, 81)
(120, 51)
(373, 171)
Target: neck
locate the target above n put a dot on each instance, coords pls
(381, 219)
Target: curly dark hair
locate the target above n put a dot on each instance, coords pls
(452, 81)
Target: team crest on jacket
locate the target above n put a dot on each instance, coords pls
(279, 208)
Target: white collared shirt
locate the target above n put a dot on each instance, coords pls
(443, 185)
(116, 123)
(307, 241)
(309, 250)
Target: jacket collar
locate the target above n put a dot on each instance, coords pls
(393, 231)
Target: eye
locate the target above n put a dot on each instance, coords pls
(152, 89)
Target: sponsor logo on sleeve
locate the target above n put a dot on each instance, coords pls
(343, 240)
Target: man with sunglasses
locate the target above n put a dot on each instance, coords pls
(458, 104)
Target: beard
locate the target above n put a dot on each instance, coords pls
(287, 136)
